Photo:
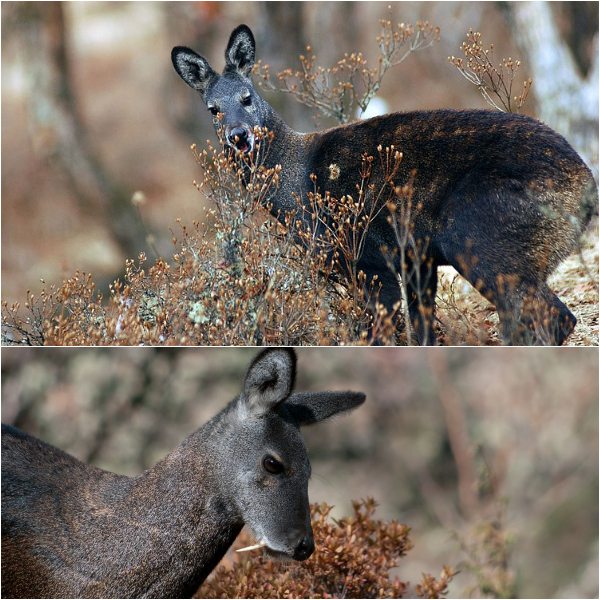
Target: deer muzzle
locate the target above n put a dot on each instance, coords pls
(241, 139)
(304, 548)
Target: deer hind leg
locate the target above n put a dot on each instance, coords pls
(530, 313)
(564, 321)
(543, 319)
(506, 251)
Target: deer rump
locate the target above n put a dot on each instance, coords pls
(500, 197)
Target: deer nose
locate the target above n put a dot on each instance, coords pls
(239, 133)
(305, 548)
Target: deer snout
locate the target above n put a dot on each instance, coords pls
(304, 548)
(240, 139)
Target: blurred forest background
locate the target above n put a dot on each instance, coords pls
(490, 455)
(93, 111)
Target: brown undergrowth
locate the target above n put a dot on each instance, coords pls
(352, 559)
(245, 280)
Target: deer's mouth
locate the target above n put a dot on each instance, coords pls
(286, 557)
(245, 146)
(299, 554)
(241, 140)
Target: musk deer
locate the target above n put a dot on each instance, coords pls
(500, 197)
(73, 530)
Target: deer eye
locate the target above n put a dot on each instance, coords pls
(247, 100)
(272, 465)
(214, 110)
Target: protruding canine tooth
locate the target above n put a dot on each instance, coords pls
(255, 547)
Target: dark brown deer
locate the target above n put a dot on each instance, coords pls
(72, 530)
(500, 197)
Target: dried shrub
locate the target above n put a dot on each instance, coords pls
(352, 559)
(487, 546)
(340, 90)
(246, 280)
(465, 318)
(492, 81)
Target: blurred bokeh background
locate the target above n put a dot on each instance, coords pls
(490, 455)
(93, 111)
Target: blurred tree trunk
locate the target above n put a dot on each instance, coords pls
(280, 38)
(339, 25)
(567, 101)
(193, 24)
(281, 32)
(56, 129)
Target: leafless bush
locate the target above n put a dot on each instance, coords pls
(246, 280)
(339, 90)
(492, 81)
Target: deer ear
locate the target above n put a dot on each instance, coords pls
(193, 68)
(269, 381)
(241, 50)
(309, 408)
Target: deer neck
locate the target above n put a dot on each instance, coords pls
(171, 525)
(287, 149)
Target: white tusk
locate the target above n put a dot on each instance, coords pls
(255, 547)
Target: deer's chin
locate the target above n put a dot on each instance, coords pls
(278, 555)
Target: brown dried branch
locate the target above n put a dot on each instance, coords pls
(340, 90)
(491, 81)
